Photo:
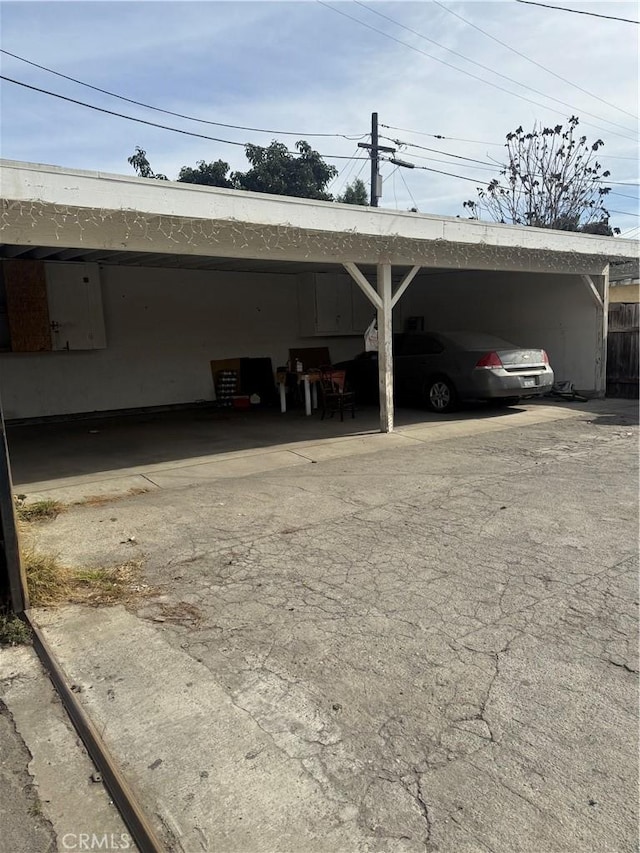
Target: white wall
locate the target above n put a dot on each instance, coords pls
(163, 327)
(551, 311)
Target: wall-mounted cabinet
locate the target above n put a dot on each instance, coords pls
(75, 306)
(331, 304)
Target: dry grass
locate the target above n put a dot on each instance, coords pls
(38, 510)
(116, 585)
(47, 579)
(101, 500)
(50, 582)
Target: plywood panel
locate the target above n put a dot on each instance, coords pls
(27, 307)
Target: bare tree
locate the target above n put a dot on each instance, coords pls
(552, 180)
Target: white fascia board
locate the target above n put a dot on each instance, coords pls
(51, 185)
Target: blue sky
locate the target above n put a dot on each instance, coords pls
(300, 67)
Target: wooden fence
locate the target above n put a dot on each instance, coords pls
(622, 350)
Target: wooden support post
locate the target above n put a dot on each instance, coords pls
(593, 290)
(385, 347)
(598, 288)
(363, 284)
(404, 284)
(603, 334)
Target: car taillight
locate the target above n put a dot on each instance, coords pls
(491, 359)
(545, 357)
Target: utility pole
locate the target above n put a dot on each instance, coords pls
(376, 191)
(13, 584)
(374, 152)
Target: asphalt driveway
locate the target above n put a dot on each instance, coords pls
(427, 647)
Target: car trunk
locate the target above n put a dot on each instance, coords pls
(522, 360)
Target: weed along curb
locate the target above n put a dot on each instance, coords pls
(39, 510)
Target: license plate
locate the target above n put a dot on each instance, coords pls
(528, 383)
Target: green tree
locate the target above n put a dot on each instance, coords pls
(552, 179)
(213, 174)
(354, 193)
(276, 170)
(141, 165)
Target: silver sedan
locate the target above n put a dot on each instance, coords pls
(440, 369)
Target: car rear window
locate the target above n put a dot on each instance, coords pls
(478, 340)
(409, 344)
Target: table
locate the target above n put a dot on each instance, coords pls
(310, 381)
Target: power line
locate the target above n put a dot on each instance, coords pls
(485, 183)
(392, 172)
(528, 58)
(400, 143)
(617, 183)
(450, 174)
(475, 141)
(618, 157)
(449, 163)
(150, 123)
(365, 160)
(177, 115)
(479, 65)
(498, 166)
(623, 195)
(347, 168)
(440, 136)
(578, 11)
(242, 144)
(415, 203)
(486, 166)
(364, 163)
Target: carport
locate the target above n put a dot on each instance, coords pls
(259, 260)
(151, 281)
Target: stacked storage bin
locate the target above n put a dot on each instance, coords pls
(226, 387)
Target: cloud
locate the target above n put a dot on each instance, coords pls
(302, 67)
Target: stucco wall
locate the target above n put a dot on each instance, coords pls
(163, 327)
(552, 311)
(628, 292)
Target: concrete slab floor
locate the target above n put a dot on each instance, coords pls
(70, 448)
(431, 647)
(85, 459)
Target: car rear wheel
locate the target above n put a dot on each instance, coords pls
(440, 395)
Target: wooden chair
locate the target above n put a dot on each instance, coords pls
(334, 395)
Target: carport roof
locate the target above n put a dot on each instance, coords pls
(54, 213)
